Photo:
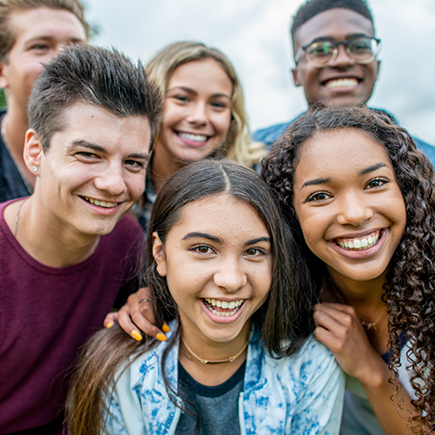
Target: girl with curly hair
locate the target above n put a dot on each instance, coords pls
(358, 195)
(224, 272)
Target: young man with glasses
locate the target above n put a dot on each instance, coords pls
(335, 52)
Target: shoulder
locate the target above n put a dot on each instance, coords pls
(270, 134)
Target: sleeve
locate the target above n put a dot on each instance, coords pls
(319, 406)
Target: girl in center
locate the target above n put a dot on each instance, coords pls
(227, 277)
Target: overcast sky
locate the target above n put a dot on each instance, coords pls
(254, 34)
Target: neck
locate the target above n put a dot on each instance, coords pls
(46, 240)
(163, 166)
(212, 374)
(366, 298)
(14, 126)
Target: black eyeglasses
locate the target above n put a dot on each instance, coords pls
(362, 49)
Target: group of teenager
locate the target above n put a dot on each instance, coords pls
(298, 301)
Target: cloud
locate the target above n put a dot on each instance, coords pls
(254, 34)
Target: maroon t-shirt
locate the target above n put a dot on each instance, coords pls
(47, 314)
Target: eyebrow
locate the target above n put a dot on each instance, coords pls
(331, 38)
(99, 148)
(204, 236)
(317, 181)
(192, 91)
(217, 240)
(258, 240)
(372, 168)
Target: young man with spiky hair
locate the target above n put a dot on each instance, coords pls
(69, 252)
(31, 33)
(335, 52)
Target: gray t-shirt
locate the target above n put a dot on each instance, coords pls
(216, 406)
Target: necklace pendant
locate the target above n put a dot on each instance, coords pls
(369, 326)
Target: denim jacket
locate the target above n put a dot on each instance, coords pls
(301, 394)
(271, 134)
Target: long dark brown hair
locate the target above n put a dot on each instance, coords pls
(410, 284)
(285, 317)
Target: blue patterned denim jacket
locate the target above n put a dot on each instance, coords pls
(270, 134)
(299, 395)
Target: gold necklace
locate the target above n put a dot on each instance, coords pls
(372, 325)
(367, 325)
(204, 361)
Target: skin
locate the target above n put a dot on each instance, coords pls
(219, 249)
(334, 201)
(97, 155)
(40, 34)
(338, 25)
(198, 101)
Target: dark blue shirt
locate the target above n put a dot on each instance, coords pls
(12, 184)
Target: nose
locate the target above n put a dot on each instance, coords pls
(343, 59)
(111, 180)
(198, 114)
(354, 211)
(230, 276)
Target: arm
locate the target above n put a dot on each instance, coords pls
(137, 314)
(340, 329)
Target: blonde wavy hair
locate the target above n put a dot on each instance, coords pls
(238, 145)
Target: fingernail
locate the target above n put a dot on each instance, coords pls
(161, 337)
(166, 328)
(136, 335)
(109, 325)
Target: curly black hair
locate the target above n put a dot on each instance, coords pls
(410, 283)
(313, 7)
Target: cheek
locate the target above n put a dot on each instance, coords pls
(173, 115)
(221, 123)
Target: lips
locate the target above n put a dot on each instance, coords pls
(350, 82)
(223, 308)
(100, 203)
(193, 137)
(359, 243)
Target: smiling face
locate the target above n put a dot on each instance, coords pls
(92, 172)
(348, 203)
(40, 34)
(197, 113)
(218, 265)
(344, 82)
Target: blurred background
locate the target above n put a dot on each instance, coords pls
(254, 34)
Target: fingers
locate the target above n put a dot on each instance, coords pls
(110, 320)
(137, 315)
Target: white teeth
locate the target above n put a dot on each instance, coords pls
(233, 305)
(342, 83)
(195, 137)
(101, 203)
(359, 244)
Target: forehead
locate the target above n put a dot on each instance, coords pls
(204, 73)
(339, 152)
(338, 24)
(222, 216)
(45, 22)
(86, 123)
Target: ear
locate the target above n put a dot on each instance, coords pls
(33, 152)
(4, 84)
(159, 254)
(295, 73)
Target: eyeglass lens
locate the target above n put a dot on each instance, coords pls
(359, 49)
